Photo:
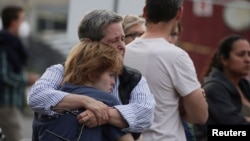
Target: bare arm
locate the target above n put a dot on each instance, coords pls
(187, 85)
(195, 107)
(115, 118)
(74, 101)
(89, 119)
(134, 117)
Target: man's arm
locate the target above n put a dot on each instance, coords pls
(187, 85)
(135, 116)
(88, 118)
(195, 107)
(140, 110)
(115, 118)
(44, 95)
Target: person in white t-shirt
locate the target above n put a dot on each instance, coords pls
(169, 71)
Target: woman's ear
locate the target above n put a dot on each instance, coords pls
(224, 61)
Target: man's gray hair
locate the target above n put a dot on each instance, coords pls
(95, 22)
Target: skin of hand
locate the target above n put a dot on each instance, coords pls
(74, 101)
(32, 77)
(89, 119)
(247, 119)
(99, 109)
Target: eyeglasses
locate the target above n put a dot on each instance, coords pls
(134, 35)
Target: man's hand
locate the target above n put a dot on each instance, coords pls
(88, 118)
(32, 77)
(99, 109)
(75, 101)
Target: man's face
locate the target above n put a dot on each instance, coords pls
(17, 23)
(114, 36)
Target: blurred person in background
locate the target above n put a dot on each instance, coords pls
(13, 76)
(133, 27)
(175, 33)
(227, 90)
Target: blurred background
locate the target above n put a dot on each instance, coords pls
(53, 25)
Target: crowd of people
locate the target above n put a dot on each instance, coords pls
(127, 79)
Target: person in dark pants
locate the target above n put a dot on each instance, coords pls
(13, 75)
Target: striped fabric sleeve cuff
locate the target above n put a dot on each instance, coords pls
(127, 113)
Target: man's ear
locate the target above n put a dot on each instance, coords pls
(145, 13)
(179, 13)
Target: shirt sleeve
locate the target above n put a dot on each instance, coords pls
(140, 110)
(44, 93)
(184, 75)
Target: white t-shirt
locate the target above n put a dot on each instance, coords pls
(170, 73)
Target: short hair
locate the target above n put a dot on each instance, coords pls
(94, 23)
(90, 58)
(9, 14)
(161, 10)
(130, 20)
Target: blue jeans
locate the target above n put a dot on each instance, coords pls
(188, 131)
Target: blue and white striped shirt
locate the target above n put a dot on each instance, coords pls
(138, 113)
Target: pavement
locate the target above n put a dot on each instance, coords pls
(27, 125)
